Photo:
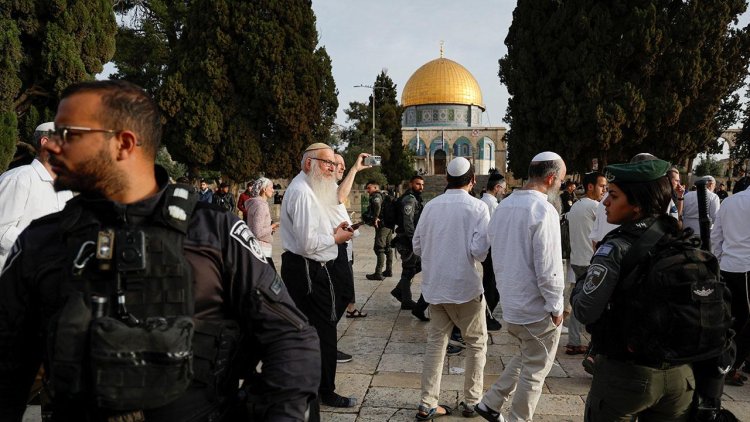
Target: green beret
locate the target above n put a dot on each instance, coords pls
(643, 171)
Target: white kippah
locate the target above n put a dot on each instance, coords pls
(458, 166)
(708, 179)
(45, 127)
(546, 156)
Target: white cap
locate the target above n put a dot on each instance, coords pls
(458, 166)
(45, 127)
(707, 179)
(546, 156)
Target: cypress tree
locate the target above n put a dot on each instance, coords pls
(243, 85)
(47, 46)
(607, 80)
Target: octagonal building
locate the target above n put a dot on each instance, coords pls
(442, 119)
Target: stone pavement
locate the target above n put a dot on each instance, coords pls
(388, 348)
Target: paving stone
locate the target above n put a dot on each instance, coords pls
(741, 409)
(405, 348)
(737, 393)
(376, 414)
(579, 386)
(360, 345)
(337, 417)
(402, 398)
(349, 385)
(398, 362)
(493, 366)
(361, 364)
(505, 350)
(409, 336)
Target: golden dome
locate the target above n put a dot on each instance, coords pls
(442, 81)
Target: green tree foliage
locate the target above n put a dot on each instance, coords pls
(174, 168)
(242, 84)
(739, 153)
(592, 79)
(709, 167)
(44, 47)
(397, 160)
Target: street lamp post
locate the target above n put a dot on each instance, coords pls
(373, 88)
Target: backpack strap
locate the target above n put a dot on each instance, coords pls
(639, 250)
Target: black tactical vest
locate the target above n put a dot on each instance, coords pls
(124, 335)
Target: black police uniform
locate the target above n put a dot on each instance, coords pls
(231, 281)
(624, 386)
(383, 237)
(411, 207)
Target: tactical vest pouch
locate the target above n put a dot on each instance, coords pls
(215, 346)
(141, 367)
(69, 346)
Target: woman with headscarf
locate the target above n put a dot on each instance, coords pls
(258, 216)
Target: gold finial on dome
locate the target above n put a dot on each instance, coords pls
(442, 81)
(441, 48)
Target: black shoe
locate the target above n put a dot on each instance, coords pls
(374, 276)
(407, 305)
(387, 273)
(342, 357)
(488, 413)
(457, 341)
(396, 293)
(493, 324)
(453, 350)
(467, 410)
(335, 400)
(419, 313)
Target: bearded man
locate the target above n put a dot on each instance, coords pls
(524, 234)
(310, 248)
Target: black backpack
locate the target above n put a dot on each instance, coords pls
(565, 236)
(389, 211)
(674, 307)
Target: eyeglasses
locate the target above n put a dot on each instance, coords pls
(61, 133)
(328, 163)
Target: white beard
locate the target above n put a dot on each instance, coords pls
(323, 186)
(553, 197)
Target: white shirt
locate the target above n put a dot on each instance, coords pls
(26, 193)
(491, 202)
(339, 214)
(601, 227)
(690, 209)
(524, 235)
(581, 218)
(305, 225)
(730, 237)
(451, 237)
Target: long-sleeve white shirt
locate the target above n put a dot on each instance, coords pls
(305, 224)
(581, 219)
(601, 227)
(26, 193)
(339, 214)
(491, 202)
(730, 237)
(526, 246)
(690, 209)
(451, 238)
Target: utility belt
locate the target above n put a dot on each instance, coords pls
(662, 366)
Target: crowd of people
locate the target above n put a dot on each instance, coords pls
(147, 300)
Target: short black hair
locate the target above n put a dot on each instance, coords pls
(570, 183)
(590, 179)
(652, 197)
(494, 180)
(126, 106)
(372, 182)
(416, 177)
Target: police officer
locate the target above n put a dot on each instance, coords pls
(383, 235)
(410, 208)
(235, 308)
(625, 385)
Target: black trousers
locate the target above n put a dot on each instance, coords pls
(738, 284)
(343, 281)
(491, 295)
(310, 284)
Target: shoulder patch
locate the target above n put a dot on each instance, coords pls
(377, 199)
(604, 250)
(242, 234)
(594, 278)
(408, 209)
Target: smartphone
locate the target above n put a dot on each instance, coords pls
(355, 226)
(372, 160)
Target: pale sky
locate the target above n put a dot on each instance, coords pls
(364, 36)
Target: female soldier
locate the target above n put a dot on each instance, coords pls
(627, 385)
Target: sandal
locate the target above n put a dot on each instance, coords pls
(425, 414)
(356, 313)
